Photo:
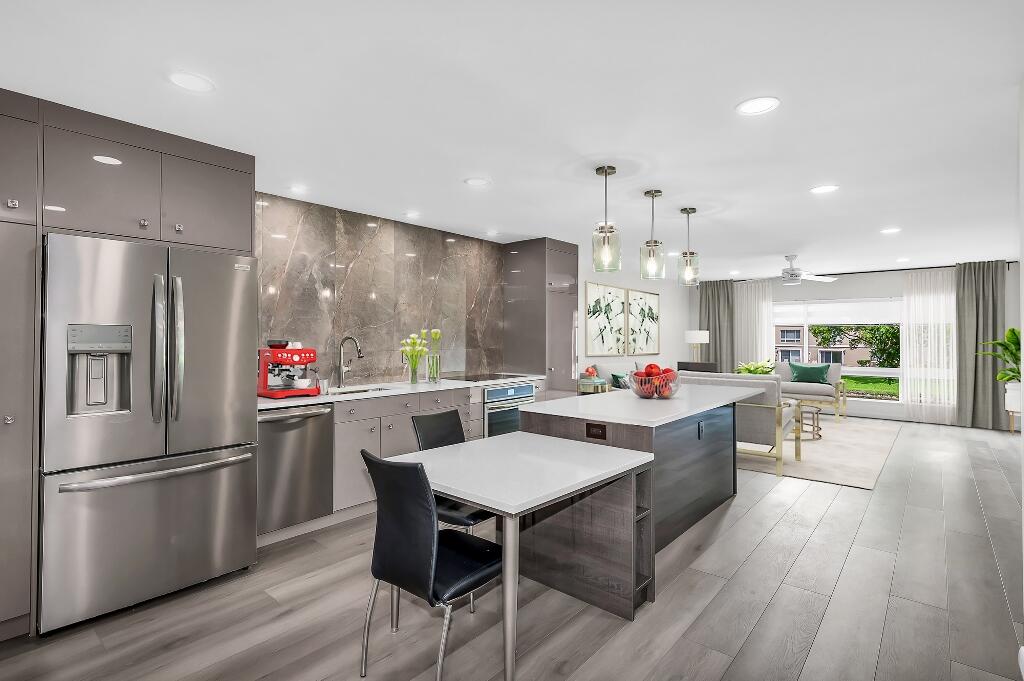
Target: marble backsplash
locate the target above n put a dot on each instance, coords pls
(327, 273)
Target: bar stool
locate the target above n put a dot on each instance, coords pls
(411, 554)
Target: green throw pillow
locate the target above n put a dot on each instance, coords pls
(809, 373)
(619, 381)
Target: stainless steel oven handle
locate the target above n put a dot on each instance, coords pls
(120, 480)
(505, 405)
(288, 414)
(178, 295)
(158, 362)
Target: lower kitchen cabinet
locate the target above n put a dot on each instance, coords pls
(352, 484)
(397, 435)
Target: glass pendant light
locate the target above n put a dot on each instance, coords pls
(607, 251)
(689, 261)
(652, 253)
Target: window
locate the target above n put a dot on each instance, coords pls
(790, 335)
(787, 355)
(830, 356)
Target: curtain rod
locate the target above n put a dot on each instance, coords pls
(901, 269)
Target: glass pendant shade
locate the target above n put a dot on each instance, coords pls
(607, 249)
(652, 260)
(689, 269)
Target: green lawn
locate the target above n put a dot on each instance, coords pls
(877, 387)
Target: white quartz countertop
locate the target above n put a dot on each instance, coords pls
(519, 472)
(388, 389)
(622, 406)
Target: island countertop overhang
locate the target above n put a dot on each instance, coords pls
(622, 406)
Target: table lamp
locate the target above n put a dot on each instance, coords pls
(697, 338)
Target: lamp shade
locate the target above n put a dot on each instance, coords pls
(697, 337)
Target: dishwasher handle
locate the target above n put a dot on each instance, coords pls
(289, 414)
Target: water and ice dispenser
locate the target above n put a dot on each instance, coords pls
(99, 368)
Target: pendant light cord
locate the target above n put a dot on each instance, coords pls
(688, 233)
(652, 217)
(604, 227)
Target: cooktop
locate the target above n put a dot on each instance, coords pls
(486, 377)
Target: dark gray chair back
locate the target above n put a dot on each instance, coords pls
(438, 429)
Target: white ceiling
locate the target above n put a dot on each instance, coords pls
(385, 106)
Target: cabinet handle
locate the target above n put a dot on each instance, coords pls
(391, 426)
(12, 203)
(143, 222)
(373, 429)
(351, 411)
(178, 227)
(408, 405)
(8, 419)
(438, 400)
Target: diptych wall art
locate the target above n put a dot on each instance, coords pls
(606, 320)
(644, 323)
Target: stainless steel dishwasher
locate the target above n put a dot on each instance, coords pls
(295, 466)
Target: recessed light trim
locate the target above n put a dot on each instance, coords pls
(107, 160)
(56, 209)
(299, 189)
(477, 181)
(757, 106)
(824, 188)
(193, 82)
(890, 230)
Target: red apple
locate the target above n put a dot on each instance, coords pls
(652, 369)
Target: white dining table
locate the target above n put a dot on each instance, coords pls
(515, 474)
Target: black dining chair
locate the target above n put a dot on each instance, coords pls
(437, 430)
(411, 554)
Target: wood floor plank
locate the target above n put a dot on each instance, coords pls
(818, 566)
(915, 643)
(960, 503)
(980, 633)
(1006, 542)
(689, 661)
(880, 528)
(997, 499)
(846, 646)
(843, 517)
(926, 481)
(961, 672)
(778, 645)
(1008, 458)
(921, 561)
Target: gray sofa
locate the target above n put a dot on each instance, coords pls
(831, 395)
(762, 420)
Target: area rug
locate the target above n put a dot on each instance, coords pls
(850, 452)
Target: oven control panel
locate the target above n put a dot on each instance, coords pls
(508, 392)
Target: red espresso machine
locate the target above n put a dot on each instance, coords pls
(284, 373)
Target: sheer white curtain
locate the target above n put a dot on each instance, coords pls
(928, 346)
(753, 322)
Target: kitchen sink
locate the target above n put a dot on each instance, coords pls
(353, 391)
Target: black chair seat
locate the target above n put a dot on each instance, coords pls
(464, 563)
(459, 514)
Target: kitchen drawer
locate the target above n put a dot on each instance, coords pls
(397, 404)
(470, 412)
(461, 396)
(538, 385)
(473, 429)
(356, 410)
(436, 400)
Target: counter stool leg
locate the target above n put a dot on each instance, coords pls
(366, 626)
(396, 600)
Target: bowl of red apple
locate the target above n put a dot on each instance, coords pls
(654, 382)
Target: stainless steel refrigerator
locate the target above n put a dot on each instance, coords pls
(148, 423)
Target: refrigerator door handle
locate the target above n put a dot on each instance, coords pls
(158, 377)
(178, 298)
(120, 480)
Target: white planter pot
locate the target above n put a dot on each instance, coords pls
(1013, 397)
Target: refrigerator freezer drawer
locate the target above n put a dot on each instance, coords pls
(119, 535)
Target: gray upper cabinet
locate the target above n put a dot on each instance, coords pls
(206, 205)
(561, 271)
(18, 169)
(96, 185)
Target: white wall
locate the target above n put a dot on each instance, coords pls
(675, 309)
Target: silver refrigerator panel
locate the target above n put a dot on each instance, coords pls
(119, 535)
(212, 357)
(104, 352)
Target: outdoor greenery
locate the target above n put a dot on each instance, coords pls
(876, 387)
(761, 368)
(1008, 351)
(881, 340)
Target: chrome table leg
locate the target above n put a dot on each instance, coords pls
(396, 600)
(510, 591)
(366, 626)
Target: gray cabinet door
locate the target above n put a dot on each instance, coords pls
(17, 277)
(117, 194)
(397, 436)
(561, 341)
(561, 271)
(352, 484)
(206, 205)
(18, 139)
(212, 350)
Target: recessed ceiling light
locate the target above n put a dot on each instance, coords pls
(412, 214)
(371, 224)
(450, 240)
(757, 106)
(56, 209)
(107, 160)
(278, 236)
(192, 82)
(889, 230)
(902, 259)
(824, 189)
(733, 273)
(261, 202)
(298, 189)
(477, 181)
(673, 254)
(492, 232)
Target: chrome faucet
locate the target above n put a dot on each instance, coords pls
(341, 357)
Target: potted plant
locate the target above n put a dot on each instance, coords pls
(1007, 351)
(759, 368)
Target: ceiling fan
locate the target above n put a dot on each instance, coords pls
(793, 275)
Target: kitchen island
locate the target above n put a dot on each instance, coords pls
(692, 437)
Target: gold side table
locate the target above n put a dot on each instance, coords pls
(811, 417)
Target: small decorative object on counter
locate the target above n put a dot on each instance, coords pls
(653, 381)
(413, 349)
(434, 358)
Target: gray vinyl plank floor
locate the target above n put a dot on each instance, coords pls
(919, 578)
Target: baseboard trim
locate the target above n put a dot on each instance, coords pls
(314, 525)
(16, 626)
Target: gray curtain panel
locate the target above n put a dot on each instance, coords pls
(716, 316)
(980, 316)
